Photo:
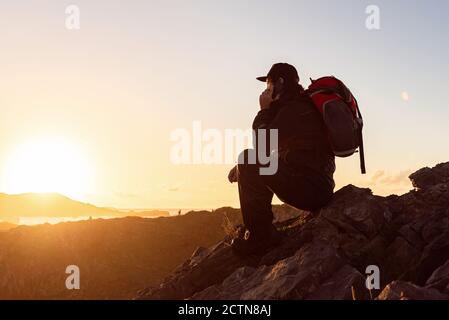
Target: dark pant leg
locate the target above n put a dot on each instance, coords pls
(298, 189)
(255, 200)
(301, 190)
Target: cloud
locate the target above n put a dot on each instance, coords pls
(385, 183)
(398, 178)
(377, 175)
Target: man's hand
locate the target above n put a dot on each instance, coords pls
(266, 98)
(233, 175)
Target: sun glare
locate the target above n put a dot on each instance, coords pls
(47, 165)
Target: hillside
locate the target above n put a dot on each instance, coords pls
(5, 226)
(116, 257)
(326, 256)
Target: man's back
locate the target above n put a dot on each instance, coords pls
(303, 142)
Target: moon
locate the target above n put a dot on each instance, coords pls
(405, 96)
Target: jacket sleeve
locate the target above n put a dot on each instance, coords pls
(264, 120)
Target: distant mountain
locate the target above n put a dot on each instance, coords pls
(13, 207)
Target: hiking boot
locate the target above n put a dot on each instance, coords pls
(252, 245)
(247, 247)
(276, 236)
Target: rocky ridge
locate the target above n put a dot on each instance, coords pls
(325, 256)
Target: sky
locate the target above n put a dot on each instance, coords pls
(89, 112)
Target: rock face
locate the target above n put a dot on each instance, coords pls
(398, 290)
(326, 256)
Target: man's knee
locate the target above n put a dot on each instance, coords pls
(246, 166)
(250, 158)
(247, 170)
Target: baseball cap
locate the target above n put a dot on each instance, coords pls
(281, 70)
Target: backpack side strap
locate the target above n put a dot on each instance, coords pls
(361, 148)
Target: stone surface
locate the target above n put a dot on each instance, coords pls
(325, 255)
(440, 278)
(399, 290)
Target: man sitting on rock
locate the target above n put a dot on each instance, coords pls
(306, 163)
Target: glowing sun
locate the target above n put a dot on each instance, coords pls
(47, 165)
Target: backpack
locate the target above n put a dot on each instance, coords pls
(341, 115)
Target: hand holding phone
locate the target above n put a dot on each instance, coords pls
(272, 93)
(266, 98)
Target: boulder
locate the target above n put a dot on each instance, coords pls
(440, 278)
(295, 277)
(345, 284)
(426, 178)
(399, 290)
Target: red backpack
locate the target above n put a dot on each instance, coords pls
(341, 116)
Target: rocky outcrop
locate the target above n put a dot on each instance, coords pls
(326, 256)
(398, 290)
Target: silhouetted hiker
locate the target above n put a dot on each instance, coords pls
(306, 162)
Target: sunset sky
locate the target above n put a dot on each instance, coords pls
(88, 113)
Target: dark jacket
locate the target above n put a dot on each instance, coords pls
(303, 143)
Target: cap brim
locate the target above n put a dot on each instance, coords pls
(263, 79)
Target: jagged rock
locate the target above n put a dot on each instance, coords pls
(358, 210)
(197, 274)
(412, 236)
(399, 256)
(324, 256)
(428, 177)
(345, 284)
(230, 288)
(440, 278)
(295, 277)
(433, 256)
(399, 290)
(199, 254)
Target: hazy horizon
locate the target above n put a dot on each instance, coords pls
(32, 209)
